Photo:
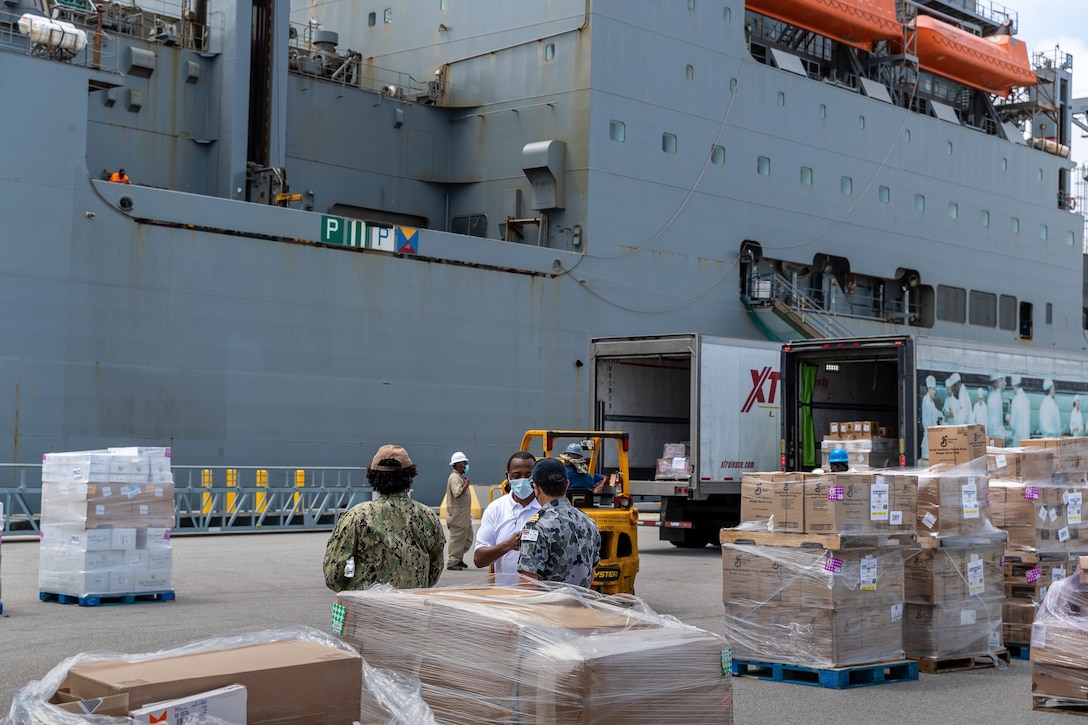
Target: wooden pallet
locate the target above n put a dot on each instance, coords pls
(102, 600)
(834, 678)
(1019, 651)
(962, 541)
(940, 665)
(1064, 705)
(1034, 557)
(815, 541)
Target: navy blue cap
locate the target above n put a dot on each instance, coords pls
(549, 470)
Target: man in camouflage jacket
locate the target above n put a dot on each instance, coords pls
(392, 540)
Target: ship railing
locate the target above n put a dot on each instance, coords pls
(772, 287)
(217, 499)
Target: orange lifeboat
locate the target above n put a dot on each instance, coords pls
(854, 22)
(996, 64)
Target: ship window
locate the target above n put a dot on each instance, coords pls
(691, 4)
(949, 148)
(846, 185)
(732, 85)
(717, 155)
(953, 210)
(763, 166)
(885, 194)
(861, 122)
(781, 99)
(806, 176)
(1007, 318)
(1042, 232)
(689, 72)
(372, 19)
(919, 202)
(668, 142)
(823, 110)
(1040, 174)
(474, 225)
(1070, 238)
(984, 218)
(906, 135)
(388, 15)
(1004, 164)
(1014, 224)
(951, 304)
(549, 51)
(443, 5)
(727, 13)
(983, 309)
(1049, 313)
(1026, 323)
(617, 130)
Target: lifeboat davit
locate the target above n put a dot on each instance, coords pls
(854, 22)
(996, 64)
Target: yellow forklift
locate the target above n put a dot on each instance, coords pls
(609, 505)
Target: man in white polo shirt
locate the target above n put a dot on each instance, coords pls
(497, 541)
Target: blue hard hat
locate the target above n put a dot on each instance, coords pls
(576, 449)
(839, 455)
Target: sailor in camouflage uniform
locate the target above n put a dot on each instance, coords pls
(391, 540)
(559, 543)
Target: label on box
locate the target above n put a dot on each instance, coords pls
(868, 574)
(1057, 574)
(976, 584)
(143, 509)
(833, 565)
(131, 491)
(1053, 513)
(995, 638)
(999, 460)
(967, 617)
(99, 510)
(339, 613)
(107, 491)
(1071, 498)
(1038, 635)
(1031, 493)
(878, 500)
(895, 518)
(1063, 534)
(1032, 575)
(836, 493)
(1043, 513)
(929, 519)
(679, 464)
(897, 611)
(970, 499)
(727, 661)
(1072, 513)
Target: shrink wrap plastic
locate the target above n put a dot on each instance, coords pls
(1059, 635)
(31, 704)
(550, 655)
(818, 608)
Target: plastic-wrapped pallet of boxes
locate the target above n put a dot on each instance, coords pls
(865, 442)
(1036, 495)
(1059, 646)
(835, 605)
(675, 463)
(105, 522)
(955, 585)
(556, 655)
(291, 676)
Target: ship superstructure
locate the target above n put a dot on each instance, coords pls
(352, 224)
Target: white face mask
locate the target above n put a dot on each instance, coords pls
(522, 487)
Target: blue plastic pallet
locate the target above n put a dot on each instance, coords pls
(835, 678)
(1019, 651)
(102, 600)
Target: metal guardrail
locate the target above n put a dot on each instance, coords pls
(808, 310)
(217, 499)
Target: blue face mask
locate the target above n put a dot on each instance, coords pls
(466, 468)
(522, 487)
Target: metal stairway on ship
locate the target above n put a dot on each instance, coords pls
(781, 311)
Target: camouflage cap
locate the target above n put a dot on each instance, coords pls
(390, 458)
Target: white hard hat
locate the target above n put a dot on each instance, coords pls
(1048, 384)
(458, 457)
(952, 380)
(931, 382)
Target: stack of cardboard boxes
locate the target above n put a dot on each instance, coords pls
(1036, 495)
(814, 576)
(1059, 645)
(512, 655)
(106, 519)
(954, 579)
(675, 463)
(867, 443)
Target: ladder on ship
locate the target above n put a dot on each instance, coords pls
(790, 304)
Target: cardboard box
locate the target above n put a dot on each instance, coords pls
(1023, 465)
(860, 503)
(676, 450)
(112, 706)
(775, 498)
(957, 444)
(226, 703)
(953, 630)
(293, 681)
(950, 575)
(1070, 454)
(951, 504)
(1055, 681)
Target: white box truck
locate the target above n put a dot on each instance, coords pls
(906, 383)
(720, 396)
